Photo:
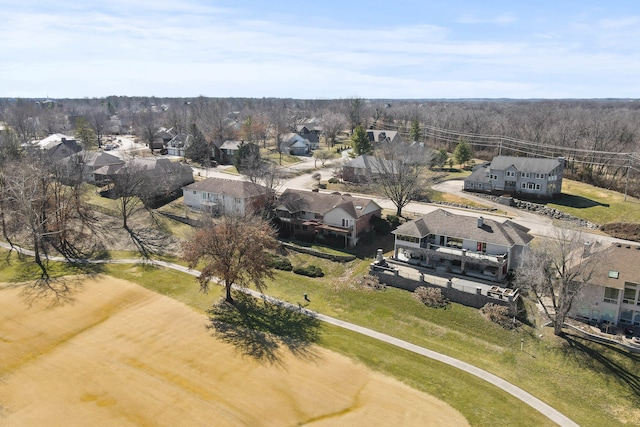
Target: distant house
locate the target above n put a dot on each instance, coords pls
(97, 165)
(178, 144)
(525, 176)
(228, 150)
(384, 136)
(296, 144)
(364, 168)
(56, 146)
(223, 196)
(311, 132)
(462, 244)
(306, 214)
(612, 294)
(66, 148)
(166, 176)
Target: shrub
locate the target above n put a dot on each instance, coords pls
(431, 297)
(369, 282)
(333, 180)
(322, 185)
(501, 315)
(310, 271)
(394, 220)
(381, 226)
(281, 263)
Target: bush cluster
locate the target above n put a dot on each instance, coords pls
(431, 297)
(309, 270)
(281, 263)
(501, 315)
(369, 282)
(333, 180)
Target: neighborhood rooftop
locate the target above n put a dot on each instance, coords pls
(441, 222)
(231, 187)
(296, 200)
(527, 164)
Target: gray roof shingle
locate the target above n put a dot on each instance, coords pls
(445, 223)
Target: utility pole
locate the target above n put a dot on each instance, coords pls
(626, 184)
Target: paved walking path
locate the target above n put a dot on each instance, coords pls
(515, 391)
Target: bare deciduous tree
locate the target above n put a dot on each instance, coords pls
(403, 170)
(332, 123)
(233, 250)
(555, 269)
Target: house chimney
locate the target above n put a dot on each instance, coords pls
(480, 222)
(586, 250)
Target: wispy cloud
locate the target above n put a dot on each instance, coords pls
(189, 48)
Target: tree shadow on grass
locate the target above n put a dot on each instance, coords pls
(577, 202)
(605, 358)
(260, 329)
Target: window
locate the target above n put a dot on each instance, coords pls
(611, 295)
(626, 316)
(524, 186)
(511, 174)
(407, 238)
(537, 186)
(454, 242)
(531, 186)
(204, 196)
(238, 200)
(629, 296)
(195, 192)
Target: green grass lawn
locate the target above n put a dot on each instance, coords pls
(552, 369)
(596, 204)
(593, 384)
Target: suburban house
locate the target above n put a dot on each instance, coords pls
(612, 292)
(364, 168)
(311, 132)
(296, 144)
(379, 136)
(223, 196)
(228, 150)
(307, 214)
(178, 144)
(462, 244)
(97, 164)
(52, 141)
(64, 148)
(525, 176)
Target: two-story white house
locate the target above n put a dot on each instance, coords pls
(525, 176)
(462, 244)
(223, 196)
(306, 214)
(613, 292)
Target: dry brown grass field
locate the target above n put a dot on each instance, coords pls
(122, 355)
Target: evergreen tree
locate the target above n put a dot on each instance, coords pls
(360, 141)
(197, 149)
(463, 152)
(415, 131)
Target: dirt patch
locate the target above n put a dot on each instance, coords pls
(623, 230)
(123, 355)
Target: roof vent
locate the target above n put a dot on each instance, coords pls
(480, 222)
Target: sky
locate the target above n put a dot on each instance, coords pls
(325, 49)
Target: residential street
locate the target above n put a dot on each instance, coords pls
(538, 224)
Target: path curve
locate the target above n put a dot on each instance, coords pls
(506, 386)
